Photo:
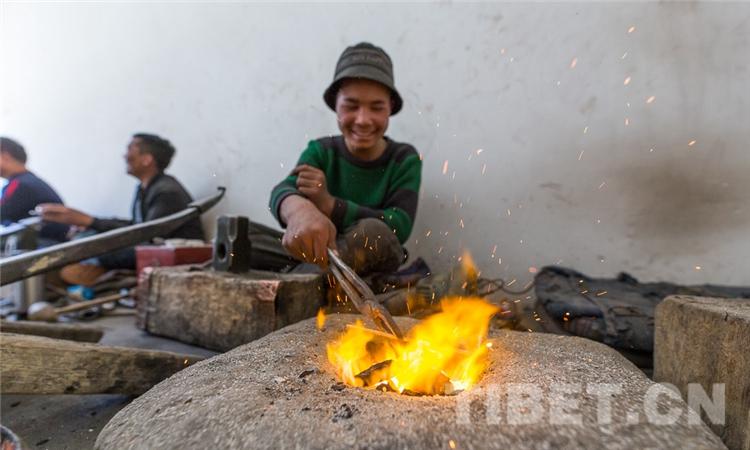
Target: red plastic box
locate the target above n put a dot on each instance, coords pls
(167, 255)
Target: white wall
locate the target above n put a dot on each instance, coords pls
(237, 88)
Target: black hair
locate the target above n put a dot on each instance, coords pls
(161, 149)
(13, 148)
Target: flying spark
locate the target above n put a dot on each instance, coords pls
(631, 29)
(698, 267)
(484, 168)
(585, 130)
(574, 63)
(627, 81)
(627, 121)
(650, 99)
(479, 150)
(691, 143)
(580, 155)
(602, 185)
(624, 55)
(445, 167)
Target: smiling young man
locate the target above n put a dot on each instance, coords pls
(356, 192)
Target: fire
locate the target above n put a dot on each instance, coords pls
(320, 319)
(445, 353)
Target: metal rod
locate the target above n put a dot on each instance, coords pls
(32, 263)
(362, 296)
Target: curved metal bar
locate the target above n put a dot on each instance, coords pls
(32, 263)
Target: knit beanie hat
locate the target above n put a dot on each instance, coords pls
(367, 61)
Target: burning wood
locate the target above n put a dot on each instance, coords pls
(444, 354)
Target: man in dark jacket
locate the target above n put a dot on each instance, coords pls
(157, 195)
(25, 191)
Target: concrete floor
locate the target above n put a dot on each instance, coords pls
(74, 421)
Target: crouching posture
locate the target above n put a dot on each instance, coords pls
(356, 192)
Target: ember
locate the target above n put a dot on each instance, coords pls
(444, 354)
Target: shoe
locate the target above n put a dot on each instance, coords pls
(408, 276)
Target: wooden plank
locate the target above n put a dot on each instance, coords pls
(40, 365)
(71, 332)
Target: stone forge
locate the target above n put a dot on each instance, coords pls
(280, 392)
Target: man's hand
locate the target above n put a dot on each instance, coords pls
(54, 212)
(311, 181)
(309, 233)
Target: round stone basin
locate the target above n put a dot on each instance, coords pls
(280, 392)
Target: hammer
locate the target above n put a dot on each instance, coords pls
(46, 312)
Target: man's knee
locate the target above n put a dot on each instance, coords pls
(369, 245)
(375, 228)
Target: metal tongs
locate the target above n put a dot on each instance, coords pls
(362, 296)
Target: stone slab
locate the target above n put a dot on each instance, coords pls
(280, 392)
(221, 310)
(707, 341)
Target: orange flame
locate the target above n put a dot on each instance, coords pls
(320, 319)
(445, 353)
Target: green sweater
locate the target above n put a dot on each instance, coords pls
(386, 188)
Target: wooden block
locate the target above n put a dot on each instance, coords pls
(705, 340)
(40, 365)
(221, 310)
(71, 332)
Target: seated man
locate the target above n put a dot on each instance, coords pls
(157, 195)
(358, 191)
(25, 191)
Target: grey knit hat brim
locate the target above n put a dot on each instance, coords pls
(377, 67)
